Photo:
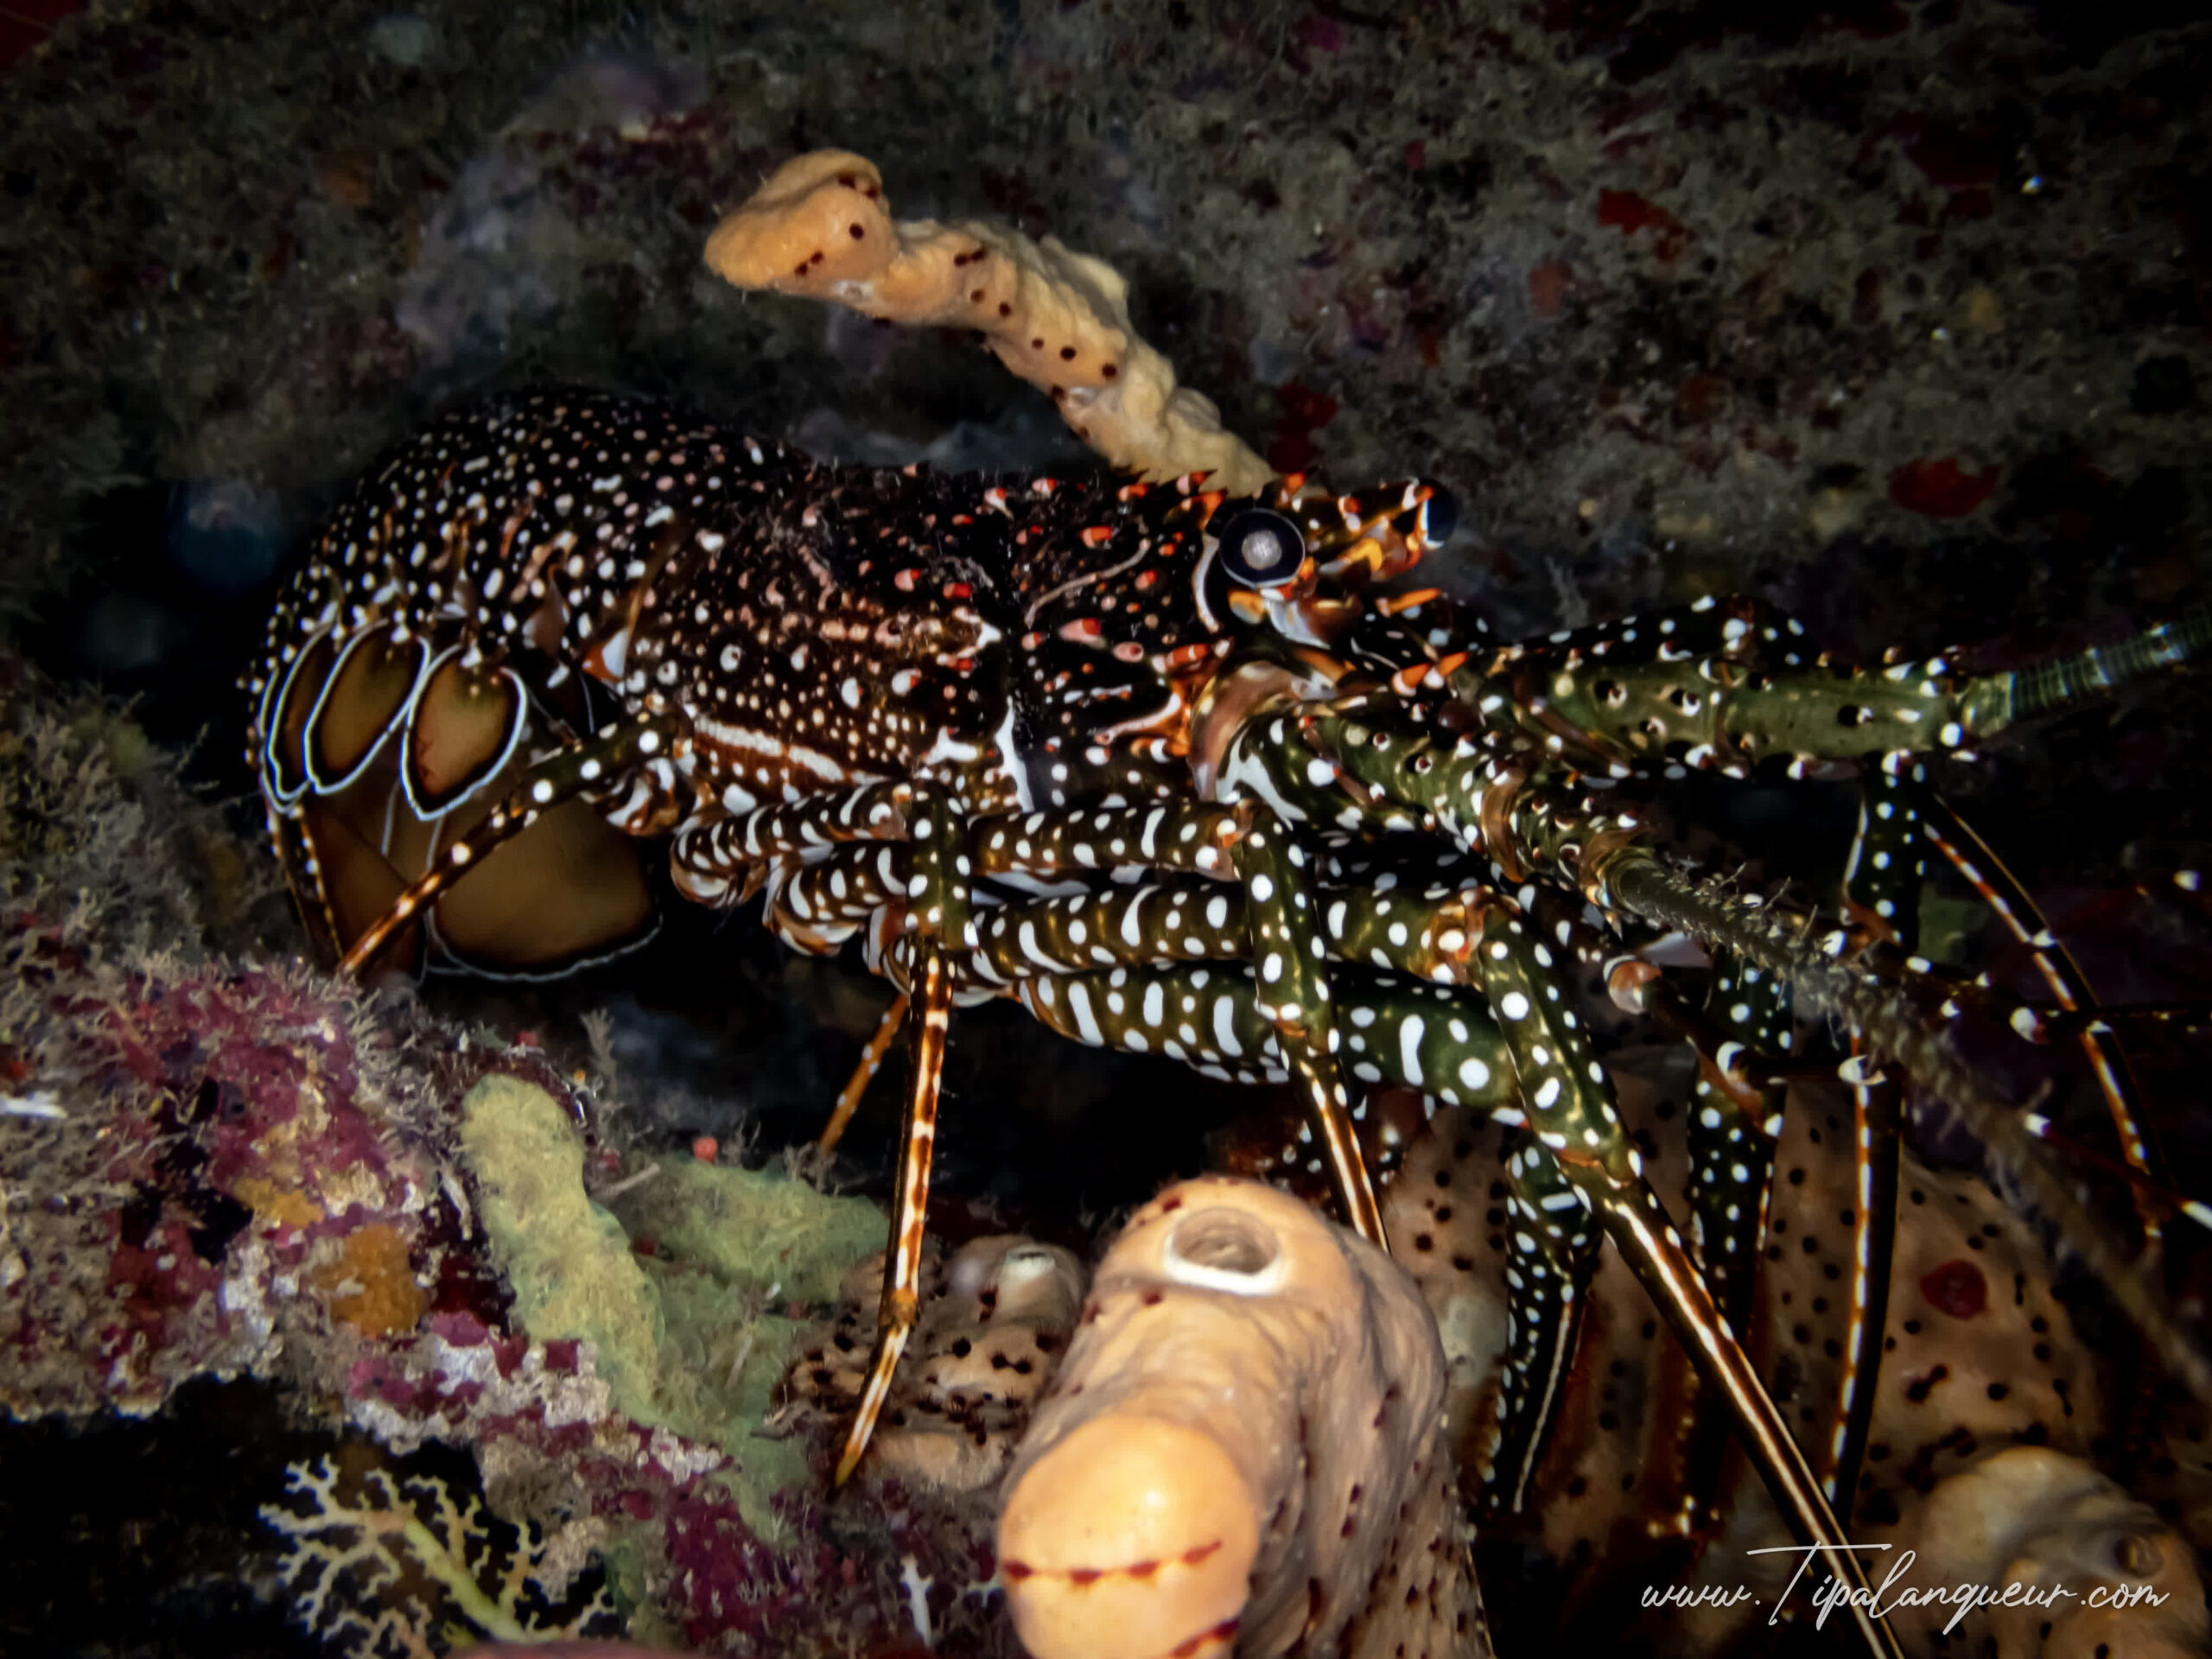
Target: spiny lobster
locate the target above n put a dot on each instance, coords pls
(1167, 768)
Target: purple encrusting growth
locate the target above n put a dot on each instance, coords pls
(218, 1170)
(264, 1173)
(250, 1130)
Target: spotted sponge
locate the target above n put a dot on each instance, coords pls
(820, 227)
(991, 1325)
(1240, 1451)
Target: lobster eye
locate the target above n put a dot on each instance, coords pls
(1260, 548)
(1439, 516)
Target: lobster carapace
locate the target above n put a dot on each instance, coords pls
(1172, 770)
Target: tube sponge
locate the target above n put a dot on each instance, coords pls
(1240, 1450)
(820, 228)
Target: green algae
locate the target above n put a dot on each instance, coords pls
(692, 1335)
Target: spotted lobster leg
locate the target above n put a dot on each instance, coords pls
(1554, 1255)
(844, 887)
(929, 878)
(1881, 886)
(1571, 1115)
(1283, 932)
(1440, 1039)
(1724, 687)
(1734, 1118)
(1564, 1090)
(1288, 949)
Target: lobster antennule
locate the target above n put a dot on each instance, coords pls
(2083, 676)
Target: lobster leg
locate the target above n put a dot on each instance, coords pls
(1284, 932)
(1732, 1125)
(1565, 1093)
(2070, 988)
(1430, 1037)
(716, 860)
(1881, 886)
(1735, 1116)
(1289, 948)
(849, 1098)
(1572, 1114)
(1181, 836)
(1424, 935)
(1554, 1253)
(938, 902)
(1631, 877)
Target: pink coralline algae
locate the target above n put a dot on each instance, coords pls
(256, 1172)
(227, 1178)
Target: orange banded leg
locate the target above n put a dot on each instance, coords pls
(849, 1100)
(1974, 859)
(1877, 1110)
(937, 925)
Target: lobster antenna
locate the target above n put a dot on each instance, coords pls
(1636, 881)
(1998, 700)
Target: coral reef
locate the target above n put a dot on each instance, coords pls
(820, 228)
(1240, 1452)
(214, 1171)
(353, 1565)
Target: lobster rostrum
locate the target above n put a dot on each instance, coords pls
(1163, 767)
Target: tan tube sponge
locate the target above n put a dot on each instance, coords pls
(1240, 1451)
(820, 228)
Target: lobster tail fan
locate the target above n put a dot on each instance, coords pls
(351, 882)
(564, 893)
(379, 762)
(1887, 1023)
(2067, 681)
